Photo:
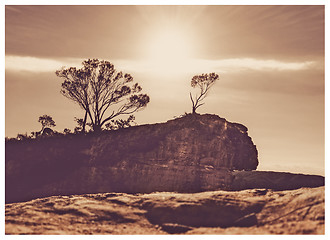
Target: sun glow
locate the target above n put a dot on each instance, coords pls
(169, 50)
(169, 44)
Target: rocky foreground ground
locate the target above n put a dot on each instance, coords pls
(254, 211)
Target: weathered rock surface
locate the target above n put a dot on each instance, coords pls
(190, 140)
(189, 154)
(273, 180)
(257, 211)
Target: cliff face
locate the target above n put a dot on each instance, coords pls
(188, 154)
(191, 140)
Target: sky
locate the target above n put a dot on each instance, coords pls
(270, 60)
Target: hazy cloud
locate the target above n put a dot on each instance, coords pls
(238, 64)
(35, 64)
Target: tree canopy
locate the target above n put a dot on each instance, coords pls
(46, 121)
(204, 82)
(101, 91)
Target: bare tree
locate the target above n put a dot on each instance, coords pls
(101, 91)
(204, 82)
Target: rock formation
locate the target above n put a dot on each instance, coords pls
(114, 171)
(273, 180)
(187, 141)
(188, 154)
(257, 211)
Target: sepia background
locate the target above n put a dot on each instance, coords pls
(270, 60)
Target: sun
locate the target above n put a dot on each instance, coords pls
(169, 44)
(169, 49)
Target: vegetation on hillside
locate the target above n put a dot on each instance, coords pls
(106, 95)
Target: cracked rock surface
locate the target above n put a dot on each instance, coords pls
(253, 211)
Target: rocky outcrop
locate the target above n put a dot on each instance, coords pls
(257, 211)
(188, 154)
(273, 180)
(189, 141)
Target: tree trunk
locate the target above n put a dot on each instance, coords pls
(97, 128)
(193, 110)
(84, 123)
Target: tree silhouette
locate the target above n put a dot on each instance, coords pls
(46, 121)
(22, 137)
(204, 82)
(66, 131)
(101, 91)
(120, 123)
